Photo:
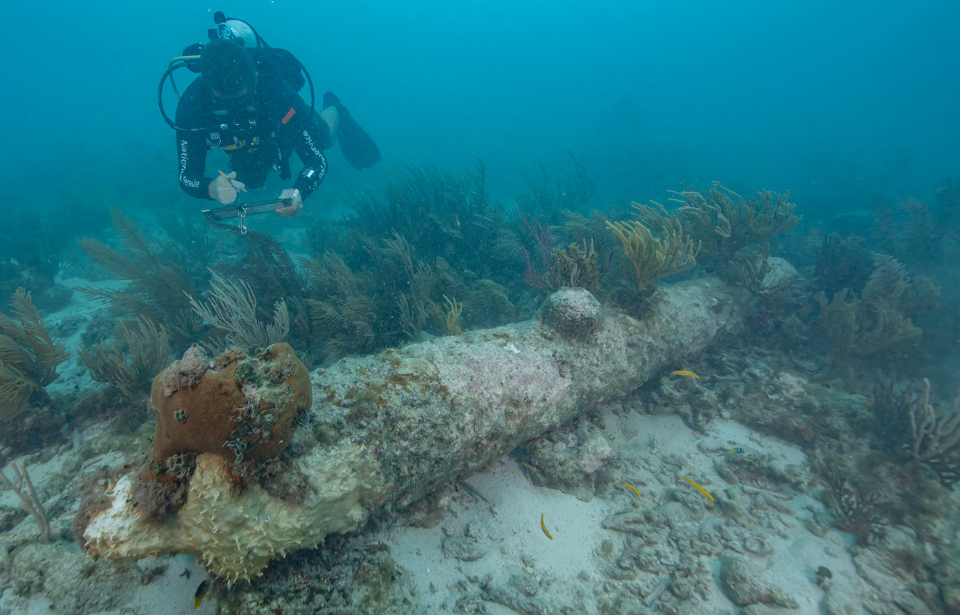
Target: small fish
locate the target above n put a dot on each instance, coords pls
(631, 488)
(543, 527)
(700, 489)
(200, 594)
(735, 451)
(529, 465)
(683, 372)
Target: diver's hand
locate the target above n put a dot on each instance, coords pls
(294, 208)
(225, 189)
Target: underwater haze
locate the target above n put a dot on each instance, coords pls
(835, 99)
(547, 308)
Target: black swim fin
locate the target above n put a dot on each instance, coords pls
(357, 146)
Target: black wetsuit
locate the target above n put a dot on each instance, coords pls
(274, 122)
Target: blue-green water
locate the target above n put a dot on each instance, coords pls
(514, 137)
(838, 101)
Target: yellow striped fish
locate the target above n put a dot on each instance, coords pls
(700, 489)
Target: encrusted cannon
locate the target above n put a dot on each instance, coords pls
(385, 430)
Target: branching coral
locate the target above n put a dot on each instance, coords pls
(390, 300)
(158, 285)
(935, 438)
(724, 227)
(273, 278)
(448, 315)
(888, 284)
(645, 257)
(546, 276)
(427, 234)
(265, 266)
(580, 264)
(891, 412)
(29, 500)
(859, 508)
(440, 215)
(131, 372)
(842, 262)
(890, 287)
(748, 270)
(342, 315)
(232, 306)
(413, 317)
(914, 232)
(190, 244)
(854, 329)
(29, 355)
(359, 311)
(778, 295)
(877, 321)
(910, 428)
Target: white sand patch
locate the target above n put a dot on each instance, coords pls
(516, 541)
(73, 380)
(512, 496)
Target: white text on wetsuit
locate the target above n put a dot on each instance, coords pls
(310, 143)
(183, 167)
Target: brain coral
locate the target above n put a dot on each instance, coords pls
(236, 406)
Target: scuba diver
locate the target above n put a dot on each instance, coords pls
(245, 103)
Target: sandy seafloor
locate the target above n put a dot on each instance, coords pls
(571, 569)
(516, 541)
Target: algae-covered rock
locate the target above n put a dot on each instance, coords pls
(572, 459)
(571, 312)
(632, 523)
(686, 397)
(779, 272)
(838, 601)
(73, 582)
(744, 583)
(519, 593)
(463, 548)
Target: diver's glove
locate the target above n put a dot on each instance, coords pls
(225, 188)
(294, 208)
